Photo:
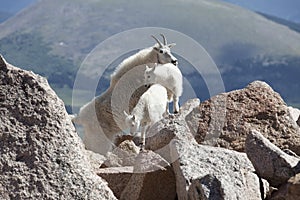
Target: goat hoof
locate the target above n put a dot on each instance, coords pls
(142, 150)
(142, 147)
(171, 116)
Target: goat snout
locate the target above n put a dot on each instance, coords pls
(174, 62)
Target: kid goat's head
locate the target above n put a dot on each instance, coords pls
(149, 75)
(132, 123)
(164, 52)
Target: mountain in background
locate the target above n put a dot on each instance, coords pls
(292, 25)
(285, 9)
(52, 37)
(14, 6)
(9, 8)
(4, 16)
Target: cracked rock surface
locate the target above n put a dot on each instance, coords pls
(226, 119)
(41, 155)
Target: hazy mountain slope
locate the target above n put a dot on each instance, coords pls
(285, 9)
(13, 6)
(67, 30)
(292, 25)
(4, 16)
(83, 24)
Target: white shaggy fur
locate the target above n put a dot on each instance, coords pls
(155, 54)
(150, 108)
(168, 76)
(103, 117)
(93, 137)
(295, 113)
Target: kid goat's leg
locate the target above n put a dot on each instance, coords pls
(176, 104)
(143, 137)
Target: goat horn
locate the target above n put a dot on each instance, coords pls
(160, 44)
(165, 40)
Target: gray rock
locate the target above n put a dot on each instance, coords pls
(151, 178)
(161, 134)
(226, 119)
(205, 172)
(42, 156)
(171, 127)
(289, 190)
(188, 107)
(269, 161)
(119, 138)
(116, 177)
(149, 161)
(95, 159)
(123, 155)
(210, 120)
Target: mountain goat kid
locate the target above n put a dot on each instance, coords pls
(150, 108)
(168, 76)
(102, 118)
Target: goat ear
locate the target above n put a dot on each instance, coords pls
(171, 45)
(147, 68)
(125, 113)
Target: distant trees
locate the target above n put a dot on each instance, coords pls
(281, 72)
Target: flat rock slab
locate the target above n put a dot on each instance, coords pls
(204, 172)
(126, 184)
(270, 162)
(149, 161)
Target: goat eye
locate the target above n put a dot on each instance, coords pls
(161, 51)
(148, 76)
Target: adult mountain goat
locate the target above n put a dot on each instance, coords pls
(103, 117)
(168, 76)
(150, 108)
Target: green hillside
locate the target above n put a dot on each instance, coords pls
(80, 25)
(53, 37)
